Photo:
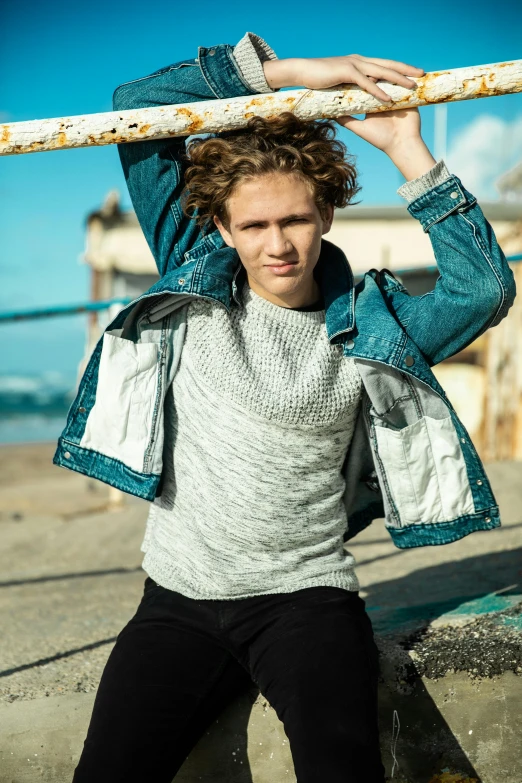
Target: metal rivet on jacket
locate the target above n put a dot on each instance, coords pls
(409, 360)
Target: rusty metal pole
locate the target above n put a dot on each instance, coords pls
(163, 122)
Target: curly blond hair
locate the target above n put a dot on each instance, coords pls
(309, 149)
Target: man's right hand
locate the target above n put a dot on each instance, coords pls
(321, 72)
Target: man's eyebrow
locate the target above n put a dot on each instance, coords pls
(263, 222)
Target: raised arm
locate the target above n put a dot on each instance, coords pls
(154, 170)
(475, 287)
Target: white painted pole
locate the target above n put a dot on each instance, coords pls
(163, 122)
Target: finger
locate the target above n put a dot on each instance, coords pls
(350, 122)
(354, 125)
(396, 65)
(387, 74)
(363, 81)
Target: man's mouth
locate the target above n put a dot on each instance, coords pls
(280, 269)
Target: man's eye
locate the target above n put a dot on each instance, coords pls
(292, 220)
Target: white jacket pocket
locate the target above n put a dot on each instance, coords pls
(121, 420)
(425, 471)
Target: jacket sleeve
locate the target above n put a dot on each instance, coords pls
(154, 170)
(475, 287)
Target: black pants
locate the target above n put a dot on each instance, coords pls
(180, 661)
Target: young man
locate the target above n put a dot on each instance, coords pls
(271, 410)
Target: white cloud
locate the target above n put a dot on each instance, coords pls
(482, 151)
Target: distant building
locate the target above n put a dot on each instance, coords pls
(120, 260)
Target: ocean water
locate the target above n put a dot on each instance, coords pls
(33, 408)
(31, 428)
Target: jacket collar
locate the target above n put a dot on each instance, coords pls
(335, 278)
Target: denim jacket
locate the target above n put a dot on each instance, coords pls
(411, 460)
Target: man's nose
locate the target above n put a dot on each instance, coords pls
(276, 243)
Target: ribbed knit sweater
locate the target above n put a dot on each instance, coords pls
(258, 426)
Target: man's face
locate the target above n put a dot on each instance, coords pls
(276, 228)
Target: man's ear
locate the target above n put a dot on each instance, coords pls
(328, 220)
(227, 236)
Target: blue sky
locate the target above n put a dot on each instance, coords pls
(66, 59)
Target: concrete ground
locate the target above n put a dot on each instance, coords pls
(447, 621)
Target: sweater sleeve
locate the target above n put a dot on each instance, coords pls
(250, 54)
(416, 187)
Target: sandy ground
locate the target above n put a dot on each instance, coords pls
(71, 574)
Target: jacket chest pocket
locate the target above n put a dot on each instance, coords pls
(121, 422)
(425, 472)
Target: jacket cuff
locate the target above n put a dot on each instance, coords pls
(221, 72)
(250, 54)
(416, 187)
(436, 204)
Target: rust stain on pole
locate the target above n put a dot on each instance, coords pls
(163, 122)
(196, 122)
